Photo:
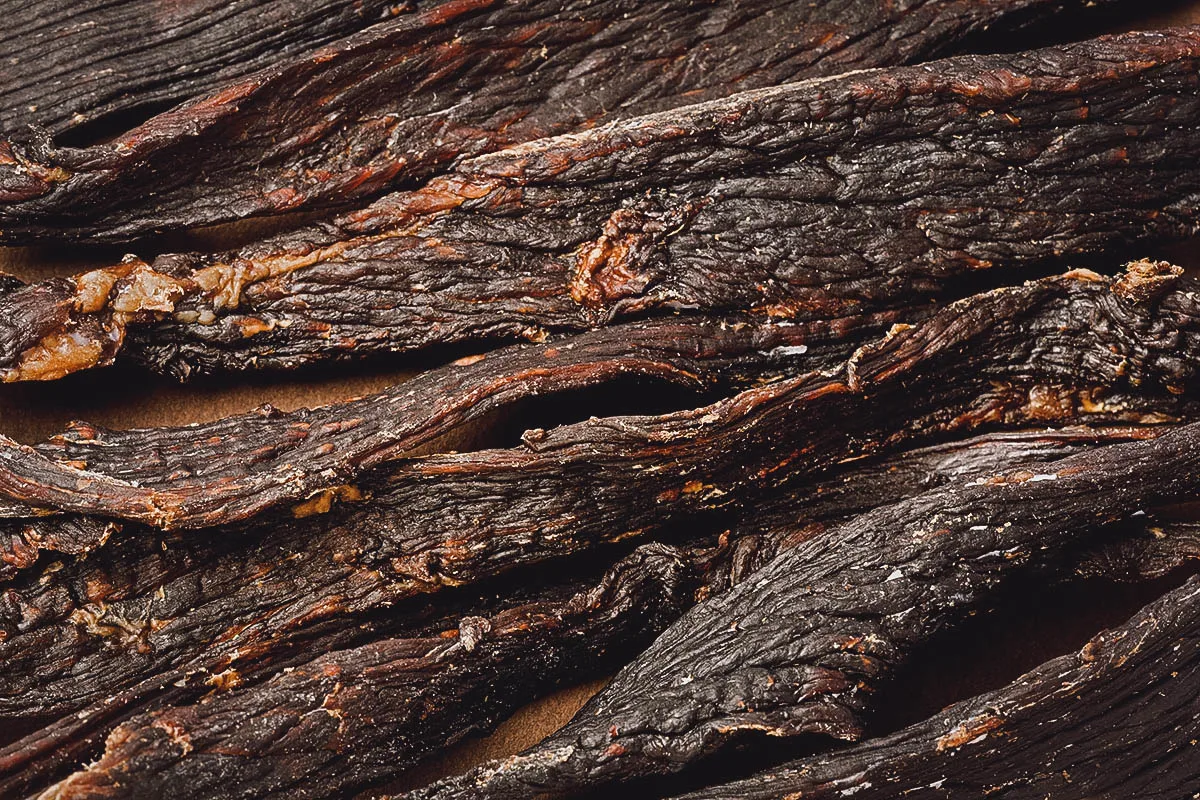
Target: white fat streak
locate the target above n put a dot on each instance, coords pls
(789, 350)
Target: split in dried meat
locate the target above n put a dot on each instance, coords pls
(234, 468)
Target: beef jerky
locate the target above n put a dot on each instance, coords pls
(1054, 349)
(70, 65)
(800, 648)
(403, 99)
(146, 604)
(459, 519)
(389, 702)
(54, 749)
(1117, 719)
(400, 699)
(231, 469)
(812, 200)
(354, 718)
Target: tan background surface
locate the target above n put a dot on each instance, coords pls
(125, 398)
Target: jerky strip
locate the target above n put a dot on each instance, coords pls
(799, 648)
(1117, 719)
(1076, 335)
(393, 701)
(458, 519)
(232, 469)
(74, 632)
(354, 718)
(812, 200)
(67, 65)
(403, 99)
(52, 750)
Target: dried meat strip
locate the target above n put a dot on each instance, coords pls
(1053, 349)
(70, 64)
(389, 702)
(234, 468)
(354, 718)
(146, 604)
(395, 700)
(1117, 719)
(801, 647)
(451, 78)
(813, 200)
(1004, 357)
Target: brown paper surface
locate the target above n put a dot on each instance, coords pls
(120, 397)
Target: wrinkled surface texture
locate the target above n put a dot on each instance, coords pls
(395, 700)
(364, 713)
(447, 79)
(230, 470)
(145, 606)
(1052, 350)
(799, 647)
(809, 201)
(744, 420)
(1117, 719)
(67, 64)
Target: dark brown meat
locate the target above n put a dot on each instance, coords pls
(808, 201)
(1118, 719)
(800, 648)
(232, 469)
(395, 700)
(70, 64)
(352, 716)
(1002, 358)
(403, 99)
(1060, 349)
(146, 604)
